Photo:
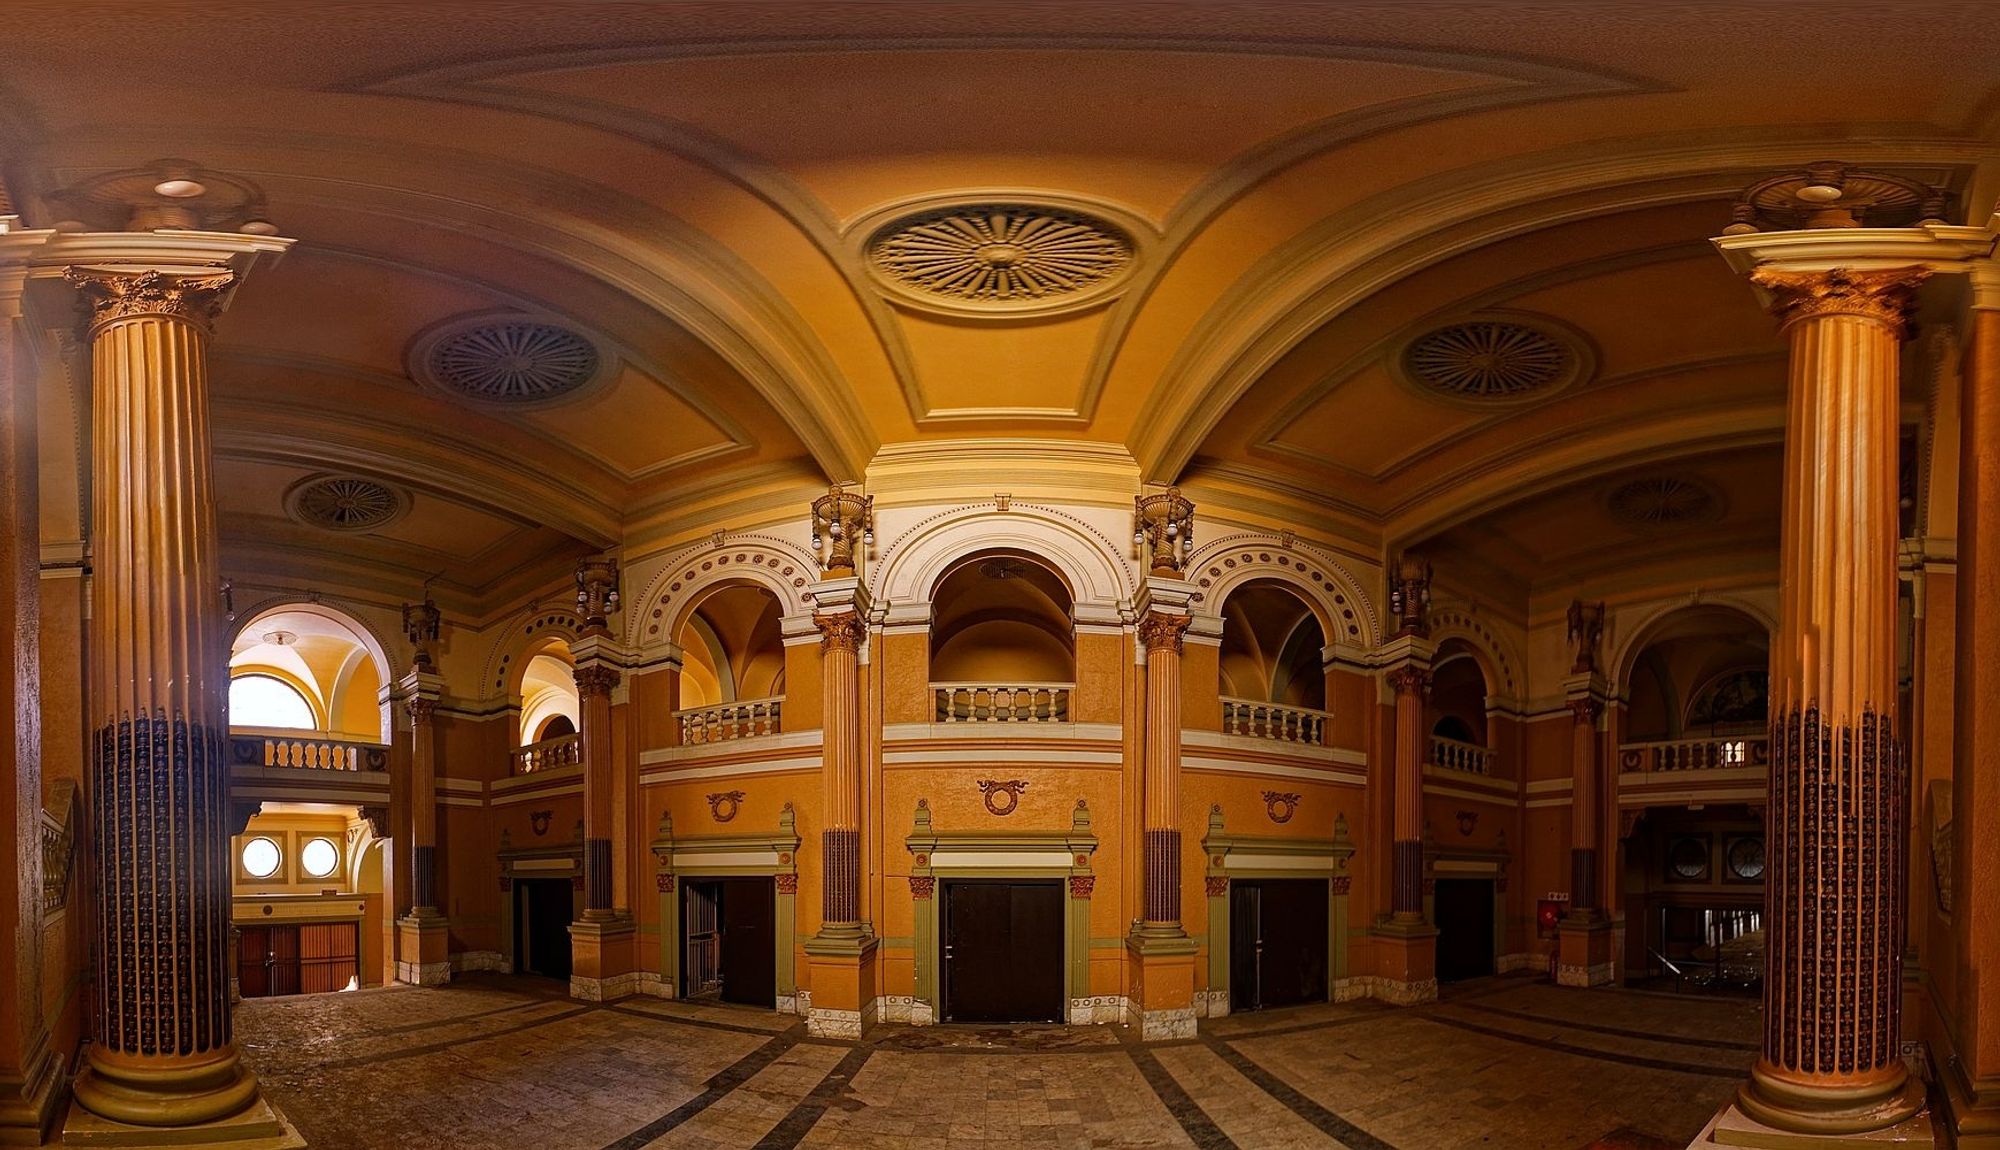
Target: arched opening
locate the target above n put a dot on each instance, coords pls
(551, 710)
(1003, 642)
(308, 656)
(1455, 711)
(1692, 880)
(732, 681)
(313, 857)
(1269, 669)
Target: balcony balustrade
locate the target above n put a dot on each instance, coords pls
(306, 752)
(1711, 754)
(549, 754)
(1002, 702)
(1455, 755)
(724, 722)
(1282, 724)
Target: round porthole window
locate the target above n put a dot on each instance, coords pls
(320, 857)
(1688, 859)
(1746, 859)
(261, 858)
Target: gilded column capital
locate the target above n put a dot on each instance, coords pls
(421, 708)
(1410, 679)
(1164, 632)
(840, 631)
(1586, 710)
(116, 295)
(596, 679)
(1886, 296)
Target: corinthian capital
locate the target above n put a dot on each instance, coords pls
(1163, 632)
(1410, 679)
(1885, 296)
(595, 679)
(116, 295)
(841, 631)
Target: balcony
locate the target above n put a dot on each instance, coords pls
(1002, 702)
(1254, 720)
(1454, 755)
(307, 753)
(725, 722)
(1711, 754)
(548, 754)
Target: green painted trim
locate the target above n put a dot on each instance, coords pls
(784, 842)
(1218, 844)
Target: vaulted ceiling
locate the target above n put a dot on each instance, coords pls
(783, 234)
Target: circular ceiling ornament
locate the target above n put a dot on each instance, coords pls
(345, 503)
(1664, 501)
(1000, 255)
(507, 361)
(1494, 359)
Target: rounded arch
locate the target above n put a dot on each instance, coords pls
(1346, 615)
(1101, 581)
(326, 654)
(518, 639)
(1273, 642)
(689, 575)
(731, 636)
(1498, 658)
(1661, 620)
(1002, 615)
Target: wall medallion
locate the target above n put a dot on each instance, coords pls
(1002, 797)
(510, 361)
(1000, 255)
(539, 821)
(344, 503)
(1494, 358)
(1281, 805)
(724, 805)
(1467, 821)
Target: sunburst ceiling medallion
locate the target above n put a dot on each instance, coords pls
(345, 503)
(1664, 501)
(1000, 257)
(507, 362)
(1494, 359)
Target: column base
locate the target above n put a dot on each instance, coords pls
(1583, 951)
(840, 964)
(1162, 968)
(423, 948)
(603, 957)
(29, 1104)
(1735, 1128)
(261, 1127)
(1406, 962)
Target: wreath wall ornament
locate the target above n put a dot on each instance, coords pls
(1002, 796)
(539, 821)
(1281, 805)
(723, 805)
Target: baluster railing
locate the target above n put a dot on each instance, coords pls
(548, 754)
(1716, 753)
(1251, 719)
(59, 826)
(1457, 755)
(306, 752)
(1002, 702)
(744, 719)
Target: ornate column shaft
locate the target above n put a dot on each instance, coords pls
(841, 635)
(162, 1054)
(1834, 894)
(1163, 634)
(1412, 683)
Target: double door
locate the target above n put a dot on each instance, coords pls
(731, 940)
(303, 958)
(1003, 950)
(1277, 942)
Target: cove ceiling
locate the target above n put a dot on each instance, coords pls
(786, 235)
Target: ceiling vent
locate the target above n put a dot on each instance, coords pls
(345, 503)
(514, 362)
(1495, 359)
(1000, 257)
(1664, 501)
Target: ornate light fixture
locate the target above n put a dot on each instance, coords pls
(1833, 195)
(1410, 595)
(1163, 530)
(841, 522)
(596, 594)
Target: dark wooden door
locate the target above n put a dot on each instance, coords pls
(253, 961)
(749, 941)
(543, 910)
(1277, 942)
(1464, 913)
(283, 961)
(329, 956)
(1003, 950)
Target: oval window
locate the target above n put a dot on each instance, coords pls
(261, 858)
(319, 857)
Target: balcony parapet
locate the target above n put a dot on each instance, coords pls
(1251, 719)
(249, 748)
(1001, 702)
(1457, 755)
(723, 722)
(548, 754)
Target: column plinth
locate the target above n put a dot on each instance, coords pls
(1832, 1070)
(162, 1067)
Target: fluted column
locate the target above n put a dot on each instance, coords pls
(1834, 894)
(162, 1054)
(841, 635)
(1412, 684)
(1163, 634)
(420, 701)
(1585, 903)
(594, 684)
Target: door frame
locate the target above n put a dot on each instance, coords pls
(557, 860)
(1031, 854)
(1233, 856)
(1475, 863)
(772, 854)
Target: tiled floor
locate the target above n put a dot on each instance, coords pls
(492, 1062)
